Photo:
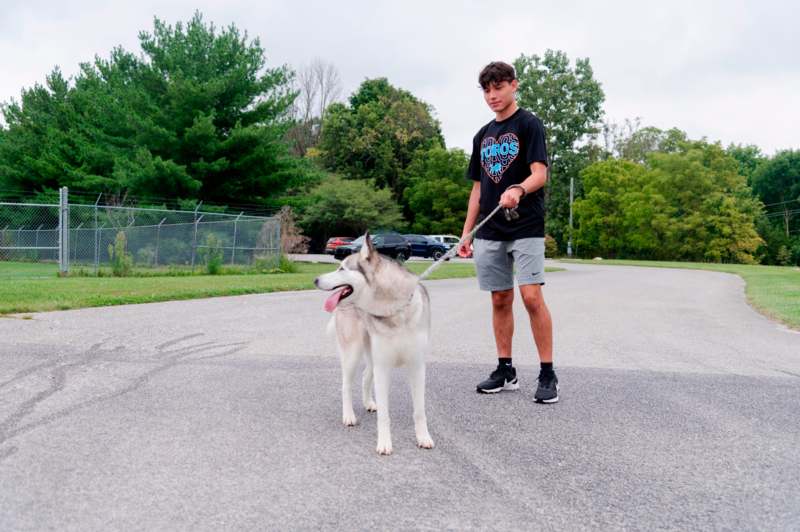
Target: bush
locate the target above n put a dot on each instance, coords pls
(274, 264)
(286, 265)
(550, 247)
(292, 238)
(796, 252)
(212, 254)
(784, 257)
(121, 260)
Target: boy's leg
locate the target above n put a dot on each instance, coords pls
(541, 322)
(503, 321)
(529, 257)
(495, 269)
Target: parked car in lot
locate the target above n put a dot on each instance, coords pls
(422, 246)
(336, 241)
(390, 244)
(447, 240)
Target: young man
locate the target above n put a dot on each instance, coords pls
(509, 167)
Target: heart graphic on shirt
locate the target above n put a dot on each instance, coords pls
(498, 154)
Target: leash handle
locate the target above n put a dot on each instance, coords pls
(453, 250)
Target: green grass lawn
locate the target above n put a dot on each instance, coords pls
(27, 270)
(772, 290)
(26, 287)
(35, 287)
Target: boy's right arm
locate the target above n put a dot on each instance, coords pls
(473, 207)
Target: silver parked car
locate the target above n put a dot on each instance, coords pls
(448, 240)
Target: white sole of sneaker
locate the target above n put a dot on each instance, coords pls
(509, 387)
(550, 401)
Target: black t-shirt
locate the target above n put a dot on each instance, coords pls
(502, 153)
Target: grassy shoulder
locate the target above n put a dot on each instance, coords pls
(35, 287)
(772, 290)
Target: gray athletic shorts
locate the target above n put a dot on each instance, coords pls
(495, 261)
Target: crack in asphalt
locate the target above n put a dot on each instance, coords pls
(13, 425)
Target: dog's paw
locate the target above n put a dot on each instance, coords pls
(384, 448)
(349, 420)
(371, 406)
(425, 442)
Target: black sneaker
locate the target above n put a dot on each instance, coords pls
(503, 378)
(547, 390)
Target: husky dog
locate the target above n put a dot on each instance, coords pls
(381, 313)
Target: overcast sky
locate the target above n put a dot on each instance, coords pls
(727, 71)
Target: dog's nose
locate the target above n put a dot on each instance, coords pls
(316, 282)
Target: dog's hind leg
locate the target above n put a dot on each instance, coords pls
(367, 386)
(349, 362)
(382, 378)
(416, 378)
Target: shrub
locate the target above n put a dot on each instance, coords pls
(212, 254)
(292, 238)
(121, 260)
(550, 247)
(274, 264)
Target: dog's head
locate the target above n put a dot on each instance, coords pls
(368, 281)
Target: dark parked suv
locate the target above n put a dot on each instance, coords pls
(391, 244)
(422, 246)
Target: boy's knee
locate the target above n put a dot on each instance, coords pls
(533, 300)
(503, 299)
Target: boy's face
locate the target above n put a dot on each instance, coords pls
(499, 96)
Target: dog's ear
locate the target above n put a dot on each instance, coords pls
(367, 250)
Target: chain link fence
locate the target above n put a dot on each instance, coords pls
(79, 236)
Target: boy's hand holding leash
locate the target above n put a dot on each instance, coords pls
(509, 202)
(512, 196)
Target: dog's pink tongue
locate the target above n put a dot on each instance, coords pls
(333, 300)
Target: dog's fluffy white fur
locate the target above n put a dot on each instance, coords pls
(381, 314)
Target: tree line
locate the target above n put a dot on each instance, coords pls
(198, 114)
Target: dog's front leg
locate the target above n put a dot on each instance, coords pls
(382, 375)
(367, 386)
(416, 377)
(349, 362)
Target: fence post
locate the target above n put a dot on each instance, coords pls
(63, 233)
(96, 237)
(158, 239)
(233, 253)
(97, 255)
(278, 237)
(194, 239)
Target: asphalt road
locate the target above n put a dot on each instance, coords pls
(678, 411)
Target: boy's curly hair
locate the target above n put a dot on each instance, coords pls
(496, 72)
